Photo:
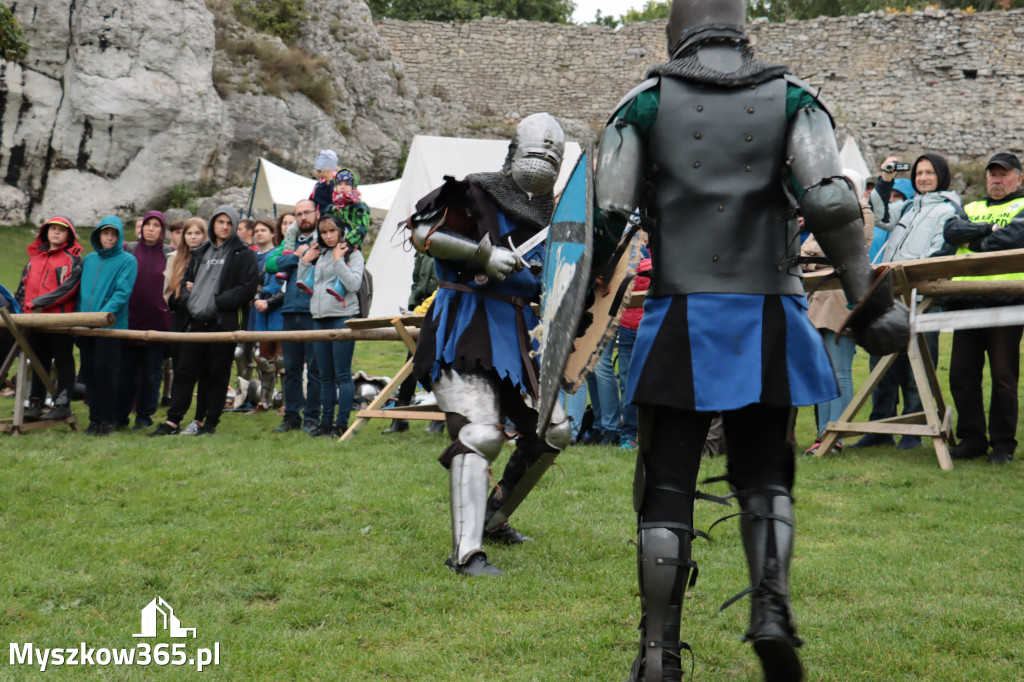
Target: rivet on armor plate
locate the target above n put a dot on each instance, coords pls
(700, 107)
(714, 259)
(698, 135)
(721, 207)
(696, 164)
(750, 110)
(659, 561)
(748, 167)
(748, 138)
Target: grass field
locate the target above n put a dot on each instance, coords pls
(309, 559)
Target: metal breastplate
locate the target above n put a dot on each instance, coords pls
(724, 223)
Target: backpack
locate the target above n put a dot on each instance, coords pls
(365, 294)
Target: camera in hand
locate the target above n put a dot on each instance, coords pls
(898, 167)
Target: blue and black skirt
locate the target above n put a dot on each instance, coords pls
(717, 352)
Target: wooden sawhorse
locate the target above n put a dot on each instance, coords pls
(376, 409)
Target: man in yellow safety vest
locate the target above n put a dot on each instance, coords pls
(994, 223)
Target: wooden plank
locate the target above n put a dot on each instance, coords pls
(47, 320)
(383, 322)
(401, 413)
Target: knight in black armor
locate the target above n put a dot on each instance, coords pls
(721, 152)
(474, 350)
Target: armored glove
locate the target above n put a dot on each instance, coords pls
(496, 261)
(888, 333)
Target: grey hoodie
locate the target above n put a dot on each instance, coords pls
(201, 302)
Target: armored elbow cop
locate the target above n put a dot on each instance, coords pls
(621, 164)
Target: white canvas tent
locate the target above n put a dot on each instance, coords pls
(430, 159)
(851, 157)
(276, 189)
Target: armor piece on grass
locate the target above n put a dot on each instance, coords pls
(748, 241)
(832, 212)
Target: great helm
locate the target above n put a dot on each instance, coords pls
(686, 15)
(535, 154)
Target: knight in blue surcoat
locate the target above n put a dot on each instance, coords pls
(474, 349)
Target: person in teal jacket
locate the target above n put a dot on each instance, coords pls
(108, 276)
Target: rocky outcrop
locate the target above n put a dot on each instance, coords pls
(117, 104)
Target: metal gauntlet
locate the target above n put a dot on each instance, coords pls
(496, 261)
(832, 212)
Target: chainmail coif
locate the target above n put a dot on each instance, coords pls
(513, 201)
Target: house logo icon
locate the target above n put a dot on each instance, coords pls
(159, 611)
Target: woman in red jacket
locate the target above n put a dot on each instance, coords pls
(49, 284)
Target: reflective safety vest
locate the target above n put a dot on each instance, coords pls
(1000, 214)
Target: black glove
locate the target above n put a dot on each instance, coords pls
(887, 333)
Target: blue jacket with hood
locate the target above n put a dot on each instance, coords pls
(108, 276)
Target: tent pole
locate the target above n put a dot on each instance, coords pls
(252, 192)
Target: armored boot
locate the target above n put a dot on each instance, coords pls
(468, 500)
(665, 570)
(398, 425)
(61, 407)
(767, 527)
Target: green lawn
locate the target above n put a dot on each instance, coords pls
(309, 559)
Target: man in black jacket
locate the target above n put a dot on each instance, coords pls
(995, 223)
(221, 280)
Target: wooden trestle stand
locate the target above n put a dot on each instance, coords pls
(376, 409)
(926, 277)
(22, 350)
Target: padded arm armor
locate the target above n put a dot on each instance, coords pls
(621, 166)
(832, 212)
(436, 241)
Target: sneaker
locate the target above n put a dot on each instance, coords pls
(192, 429)
(476, 565)
(34, 411)
(909, 443)
(628, 443)
(92, 428)
(813, 449)
(609, 438)
(206, 431)
(309, 425)
(436, 426)
(104, 429)
(141, 424)
(323, 430)
(967, 450)
(165, 429)
(286, 426)
(1000, 455)
(870, 440)
(594, 438)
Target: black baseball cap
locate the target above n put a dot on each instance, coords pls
(1006, 160)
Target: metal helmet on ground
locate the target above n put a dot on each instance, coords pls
(535, 154)
(686, 15)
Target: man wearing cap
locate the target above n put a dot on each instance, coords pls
(994, 223)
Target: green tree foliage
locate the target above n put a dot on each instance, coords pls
(282, 18)
(551, 11)
(13, 47)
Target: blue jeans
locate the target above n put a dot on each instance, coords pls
(627, 339)
(334, 359)
(575, 405)
(900, 376)
(607, 417)
(842, 362)
(299, 354)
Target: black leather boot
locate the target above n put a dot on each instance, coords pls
(61, 407)
(398, 425)
(767, 527)
(664, 570)
(34, 410)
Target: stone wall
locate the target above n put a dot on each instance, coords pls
(906, 82)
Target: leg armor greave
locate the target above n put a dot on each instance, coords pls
(665, 570)
(469, 484)
(767, 527)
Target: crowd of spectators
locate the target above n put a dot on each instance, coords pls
(303, 271)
